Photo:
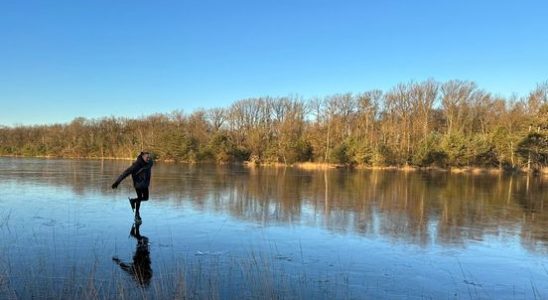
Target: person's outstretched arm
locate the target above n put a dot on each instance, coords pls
(124, 175)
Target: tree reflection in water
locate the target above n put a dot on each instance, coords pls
(417, 207)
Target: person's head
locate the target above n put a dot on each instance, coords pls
(145, 156)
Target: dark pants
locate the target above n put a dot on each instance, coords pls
(142, 195)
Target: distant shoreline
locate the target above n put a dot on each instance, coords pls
(323, 166)
(453, 170)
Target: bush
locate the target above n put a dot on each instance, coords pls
(535, 147)
(360, 152)
(483, 152)
(340, 154)
(383, 156)
(455, 148)
(428, 152)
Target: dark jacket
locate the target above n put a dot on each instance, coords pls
(140, 173)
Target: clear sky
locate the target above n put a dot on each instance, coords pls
(92, 58)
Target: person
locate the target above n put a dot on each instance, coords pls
(140, 268)
(140, 172)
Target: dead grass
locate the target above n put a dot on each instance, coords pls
(316, 166)
(205, 277)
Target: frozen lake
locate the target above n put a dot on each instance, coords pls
(238, 233)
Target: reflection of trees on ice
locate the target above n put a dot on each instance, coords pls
(417, 207)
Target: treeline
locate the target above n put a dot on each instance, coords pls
(450, 124)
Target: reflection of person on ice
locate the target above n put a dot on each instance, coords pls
(140, 172)
(140, 268)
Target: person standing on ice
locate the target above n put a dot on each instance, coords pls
(140, 172)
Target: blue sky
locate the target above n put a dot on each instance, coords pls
(64, 59)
